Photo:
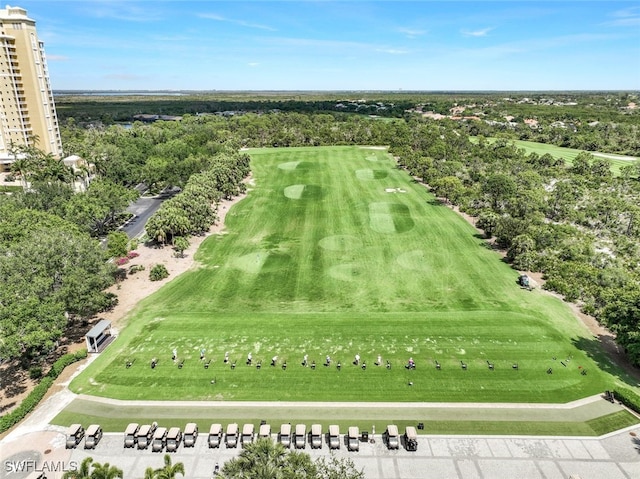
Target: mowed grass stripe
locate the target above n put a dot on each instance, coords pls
(461, 338)
(593, 419)
(308, 274)
(568, 154)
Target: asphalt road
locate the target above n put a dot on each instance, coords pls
(142, 210)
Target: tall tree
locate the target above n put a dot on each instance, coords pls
(499, 187)
(450, 188)
(45, 275)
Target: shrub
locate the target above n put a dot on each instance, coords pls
(64, 361)
(158, 272)
(122, 261)
(132, 254)
(35, 372)
(117, 242)
(628, 398)
(82, 354)
(133, 269)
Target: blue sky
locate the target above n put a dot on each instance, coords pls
(352, 45)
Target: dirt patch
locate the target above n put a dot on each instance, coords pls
(16, 384)
(138, 286)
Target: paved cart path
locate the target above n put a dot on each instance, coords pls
(581, 410)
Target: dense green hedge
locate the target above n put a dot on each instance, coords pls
(31, 401)
(628, 398)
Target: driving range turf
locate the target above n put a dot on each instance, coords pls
(337, 252)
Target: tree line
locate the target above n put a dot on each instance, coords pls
(577, 224)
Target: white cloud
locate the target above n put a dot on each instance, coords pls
(411, 32)
(476, 33)
(122, 10)
(522, 47)
(242, 23)
(628, 17)
(253, 64)
(330, 45)
(392, 51)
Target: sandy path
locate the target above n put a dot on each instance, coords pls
(138, 286)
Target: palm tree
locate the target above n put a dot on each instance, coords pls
(265, 459)
(105, 471)
(54, 170)
(299, 464)
(262, 459)
(169, 471)
(149, 473)
(83, 472)
(20, 167)
(84, 172)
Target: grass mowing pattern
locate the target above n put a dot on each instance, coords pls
(337, 266)
(567, 154)
(580, 421)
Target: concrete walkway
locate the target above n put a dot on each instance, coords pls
(362, 413)
(615, 456)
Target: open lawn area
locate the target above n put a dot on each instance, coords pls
(336, 252)
(568, 154)
(592, 417)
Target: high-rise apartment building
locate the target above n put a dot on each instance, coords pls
(27, 111)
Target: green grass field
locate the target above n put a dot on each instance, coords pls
(337, 252)
(568, 154)
(592, 419)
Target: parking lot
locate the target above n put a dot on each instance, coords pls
(484, 457)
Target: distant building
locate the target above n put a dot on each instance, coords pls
(27, 109)
(532, 123)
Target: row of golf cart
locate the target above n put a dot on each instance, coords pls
(287, 436)
(76, 433)
(298, 436)
(160, 438)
